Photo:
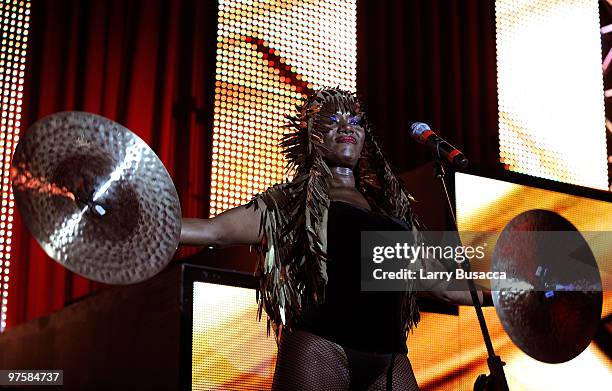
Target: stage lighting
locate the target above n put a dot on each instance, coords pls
(14, 25)
(551, 107)
(268, 58)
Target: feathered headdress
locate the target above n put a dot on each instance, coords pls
(292, 267)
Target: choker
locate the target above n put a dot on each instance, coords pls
(344, 171)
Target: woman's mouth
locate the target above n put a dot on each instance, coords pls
(346, 139)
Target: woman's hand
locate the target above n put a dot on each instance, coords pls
(234, 226)
(455, 291)
(462, 297)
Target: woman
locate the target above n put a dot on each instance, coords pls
(332, 336)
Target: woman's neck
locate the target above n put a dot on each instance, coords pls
(342, 177)
(342, 187)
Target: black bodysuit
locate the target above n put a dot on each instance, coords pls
(366, 321)
(355, 340)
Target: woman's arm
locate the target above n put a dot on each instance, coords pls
(239, 225)
(462, 297)
(458, 294)
(455, 291)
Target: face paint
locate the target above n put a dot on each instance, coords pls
(342, 136)
(329, 124)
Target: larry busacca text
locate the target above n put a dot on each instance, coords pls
(405, 252)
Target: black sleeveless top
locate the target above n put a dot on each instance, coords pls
(366, 321)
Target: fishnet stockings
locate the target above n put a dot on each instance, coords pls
(308, 362)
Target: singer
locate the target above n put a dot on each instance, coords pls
(332, 336)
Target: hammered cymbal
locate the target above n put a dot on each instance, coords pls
(550, 303)
(96, 198)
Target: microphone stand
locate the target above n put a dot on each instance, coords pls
(496, 380)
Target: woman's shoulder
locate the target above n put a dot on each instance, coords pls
(274, 196)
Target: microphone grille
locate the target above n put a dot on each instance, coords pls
(418, 128)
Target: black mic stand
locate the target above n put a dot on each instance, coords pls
(496, 380)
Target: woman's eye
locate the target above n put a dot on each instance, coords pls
(334, 118)
(355, 120)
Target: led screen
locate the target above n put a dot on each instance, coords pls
(549, 79)
(14, 23)
(269, 55)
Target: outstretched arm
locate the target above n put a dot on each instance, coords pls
(459, 294)
(239, 225)
(452, 292)
(441, 292)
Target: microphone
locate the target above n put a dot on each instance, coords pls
(423, 134)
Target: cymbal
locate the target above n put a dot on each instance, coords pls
(96, 197)
(550, 303)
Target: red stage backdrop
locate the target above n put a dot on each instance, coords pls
(431, 61)
(140, 63)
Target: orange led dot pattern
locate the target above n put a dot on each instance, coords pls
(14, 26)
(549, 77)
(268, 56)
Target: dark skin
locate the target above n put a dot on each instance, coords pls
(343, 140)
(343, 143)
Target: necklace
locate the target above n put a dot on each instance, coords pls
(344, 171)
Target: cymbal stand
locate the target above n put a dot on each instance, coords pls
(496, 380)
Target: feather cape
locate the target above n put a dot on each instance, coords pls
(291, 270)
